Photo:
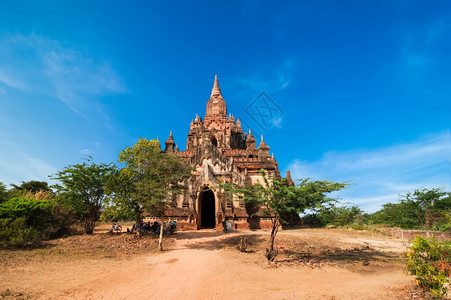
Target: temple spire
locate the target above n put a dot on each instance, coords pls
(216, 91)
(170, 144)
(216, 106)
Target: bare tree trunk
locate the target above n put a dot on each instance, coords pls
(428, 217)
(138, 223)
(160, 241)
(90, 221)
(89, 228)
(272, 252)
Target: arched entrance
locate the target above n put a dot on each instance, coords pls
(214, 141)
(207, 209)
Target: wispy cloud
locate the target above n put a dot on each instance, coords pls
(277, 122)
(86, 151)
(9, 80)
(418, 49)
(377, 176)
(270, 78)
(90, 151)
(36, 64)
(436, 31)
(20, 166)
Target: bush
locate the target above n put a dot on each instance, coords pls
(430, 261)
(35, 212)
(27, 220)
(17, 233)
(331, 214)
(446, 225)
(357, 227)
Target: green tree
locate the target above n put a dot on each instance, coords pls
(32, 186)
(425, 201)
(422, 208)
(279, 197)
(83, 188)
(122, 203)
(339, 214)
(27, 188)
(402, 214)
(3, 192)
(149, 179)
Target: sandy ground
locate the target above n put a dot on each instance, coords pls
(199, 266)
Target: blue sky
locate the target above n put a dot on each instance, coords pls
(363, 88)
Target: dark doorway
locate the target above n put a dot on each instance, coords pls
(214, 142)
(207, 209)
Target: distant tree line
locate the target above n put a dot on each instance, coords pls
(428, 209)
(420, 209)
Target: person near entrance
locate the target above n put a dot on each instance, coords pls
(224, 226)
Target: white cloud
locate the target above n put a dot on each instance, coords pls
(17, 165)
(377, 176)
(9, 80)
(269, 79)
(23, 167)
(277, 122)
(86, 151)
(89, 151)
(36, 64)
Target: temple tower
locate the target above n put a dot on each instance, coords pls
(219, 152)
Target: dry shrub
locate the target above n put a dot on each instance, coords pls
(39, 195)
(242, 246)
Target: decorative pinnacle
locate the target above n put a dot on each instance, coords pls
(263, 145)
(170, 139)
(216, 91)
(288, 175)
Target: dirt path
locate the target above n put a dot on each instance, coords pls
(196, 268)
(180, 273)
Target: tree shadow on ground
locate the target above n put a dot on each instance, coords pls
(189, 235)
(30, 247)
(338, 256)
(219, 241)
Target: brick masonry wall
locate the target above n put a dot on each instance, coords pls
(410, 234)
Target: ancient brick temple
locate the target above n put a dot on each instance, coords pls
(220, 152)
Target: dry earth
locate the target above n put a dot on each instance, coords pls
(312, 264)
